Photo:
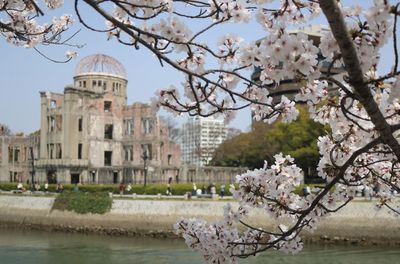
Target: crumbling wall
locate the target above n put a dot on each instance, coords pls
(15, 164)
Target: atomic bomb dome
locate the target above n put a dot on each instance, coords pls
(100, 64)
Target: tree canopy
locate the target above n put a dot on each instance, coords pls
(297, 139)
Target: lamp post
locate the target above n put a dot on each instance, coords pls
(145, 157)
(33, 169)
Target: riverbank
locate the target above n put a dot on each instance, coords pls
(357, 223)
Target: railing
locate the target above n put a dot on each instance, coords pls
(62, 162)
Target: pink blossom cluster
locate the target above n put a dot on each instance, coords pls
(20, 27)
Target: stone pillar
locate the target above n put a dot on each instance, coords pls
(71, 115)
(96, 177)
(84, 177)
(39, 175)
(43, 125)
(183, 174)
(65, 176)
(120, 177)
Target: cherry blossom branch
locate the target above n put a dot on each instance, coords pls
(396, 54)
(337, 208)
(392, 208)
(316, 201)
(356, 79)
(51, 59)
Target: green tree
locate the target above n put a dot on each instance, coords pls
(298, 139)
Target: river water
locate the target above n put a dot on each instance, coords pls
(58, 248)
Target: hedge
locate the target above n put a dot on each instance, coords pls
(10, 186)
(83, 202)
(177, 189)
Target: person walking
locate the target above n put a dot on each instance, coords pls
(121, 188)
(222, 190)
(128, 188)
(61, 188)
(37, 186)
(169, 191)
(194, 189)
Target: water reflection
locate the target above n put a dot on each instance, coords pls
(40, 247)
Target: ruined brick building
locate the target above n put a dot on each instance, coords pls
(15, 153)
(89, 134)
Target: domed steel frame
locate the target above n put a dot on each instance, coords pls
(100, 64)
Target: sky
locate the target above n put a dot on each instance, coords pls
(24, 73)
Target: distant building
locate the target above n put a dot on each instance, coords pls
(200, 137)
(89, 134)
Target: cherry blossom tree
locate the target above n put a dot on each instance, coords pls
(363, 147)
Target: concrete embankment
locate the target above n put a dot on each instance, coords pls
(358, 222)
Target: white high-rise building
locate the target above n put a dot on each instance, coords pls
(200, 137)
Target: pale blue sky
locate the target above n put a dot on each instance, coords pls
(24, 72)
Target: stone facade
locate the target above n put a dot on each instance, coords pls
(16, 157)
(89, 134)
(210, 174)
